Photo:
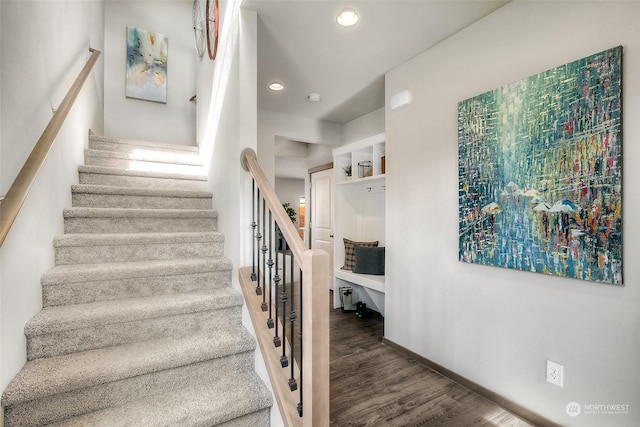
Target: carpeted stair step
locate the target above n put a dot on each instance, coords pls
(101, 196)
(120, 247)
(55, 331)
(142, 161)
(100, 175)
(140, 325)
(185, 154)
(114, 220)
(85, 283)
(54, 389)
(205, 404)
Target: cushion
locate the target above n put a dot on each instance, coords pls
(350, 252)
(369, 260)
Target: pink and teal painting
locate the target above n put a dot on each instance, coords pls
(146, 74)
(540, 172)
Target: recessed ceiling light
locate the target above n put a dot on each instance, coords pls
(347, 17)
(276, 86)
(313, 97)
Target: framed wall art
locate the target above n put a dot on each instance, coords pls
(146, 73)
(540, 172)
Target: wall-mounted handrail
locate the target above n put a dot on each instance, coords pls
(314, 267)
(18, 191)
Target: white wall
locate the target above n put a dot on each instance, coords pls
(225, 98)
(1, 108)
(173, 122)
(227, 124)
(323, 137)
(44, 45)
(364, 127)
(494, 326)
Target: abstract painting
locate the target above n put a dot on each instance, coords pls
(146, 74)
(540, 172)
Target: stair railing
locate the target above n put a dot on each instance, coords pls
(15, 197)
(286, 293)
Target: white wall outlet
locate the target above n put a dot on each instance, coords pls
(555, 373)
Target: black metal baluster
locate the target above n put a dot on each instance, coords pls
(276, 281)
(301, 361)
(258, 238)
(264, 255)
(284, 361)
(293, 385)
(270, 264)
(253, 226)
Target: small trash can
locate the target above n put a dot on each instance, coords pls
(345, 298)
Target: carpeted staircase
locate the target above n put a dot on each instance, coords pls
(140, 325)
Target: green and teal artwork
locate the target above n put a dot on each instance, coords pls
(146, 74)
(540, 172)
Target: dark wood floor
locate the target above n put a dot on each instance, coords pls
(374, 385)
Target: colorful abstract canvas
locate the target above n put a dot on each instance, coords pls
(540, 172)
(146, 74)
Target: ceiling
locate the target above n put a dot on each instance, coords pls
(300, 45)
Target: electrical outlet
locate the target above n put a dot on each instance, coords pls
(555, 373)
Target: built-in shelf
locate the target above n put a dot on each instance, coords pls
(359, 215)
(371, 150)
(358, 181)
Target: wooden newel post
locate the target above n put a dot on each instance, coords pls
(316, 345)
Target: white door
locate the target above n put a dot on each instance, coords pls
(322, 215)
